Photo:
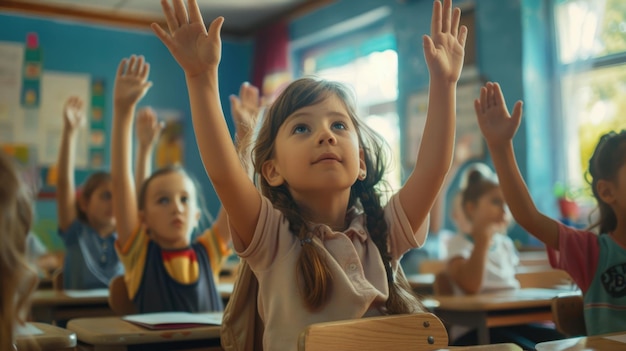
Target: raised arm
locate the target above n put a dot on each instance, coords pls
(498, 128)
(198, 52)
(73, 117)
(444, 51)
(148, 129)
(131, 84)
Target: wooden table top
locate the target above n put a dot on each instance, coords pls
(50, 338)
(115, 331)
(502, 300)
(588, 343)
(45, 297)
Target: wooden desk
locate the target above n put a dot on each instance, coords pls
(492, 347)
(504, 308)
(422, 283)
(595, 343)
(61, 305)
(51, 338)
(114, 334)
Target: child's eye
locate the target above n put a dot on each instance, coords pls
(300, 129)
(106, 195)
(163, 200)
(184, 199)
(340, 125)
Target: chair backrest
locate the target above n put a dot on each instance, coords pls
(419, 332)
(119, 301)
(442, 284)
(432, 266)
(568, 314)
(543, 279)
(57, 279)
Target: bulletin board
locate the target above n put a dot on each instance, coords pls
(40, 126)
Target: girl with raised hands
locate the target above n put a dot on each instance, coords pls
(317, 237)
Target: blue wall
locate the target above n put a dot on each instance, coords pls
(96, 50)
(513, 47)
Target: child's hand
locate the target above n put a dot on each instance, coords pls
(245, 109)
(131, 82)
(445, 48)
(73, 114)
(496, 125)
(196, 50)
(147, 127)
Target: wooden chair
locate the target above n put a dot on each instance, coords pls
(57, 279)
(119, 301)
(568, 315)
(543, 279)
(432, 266)
(442, 284)
(420, 332)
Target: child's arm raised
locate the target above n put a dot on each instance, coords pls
(73, 117)
(444, 52)
(498, 128)
(198, 52)
(148, 129)
(131, 84)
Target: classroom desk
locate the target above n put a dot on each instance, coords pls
(61, 305)
(504, 308)
(115, 334)
(491, 347)
(422, 283)
(48, 337)
(588, 343)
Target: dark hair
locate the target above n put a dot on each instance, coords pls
(87, 189)
(604, 164)
(477, 180)
(314, 277)
(141, 201)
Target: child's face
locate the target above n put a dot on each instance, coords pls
(491, 209)
(171, 211)
(316, 148)
(99, 208)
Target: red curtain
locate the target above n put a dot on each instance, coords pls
(271, 59)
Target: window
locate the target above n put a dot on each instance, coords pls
(371, 69)
(591, 45)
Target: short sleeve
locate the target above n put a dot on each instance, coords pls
(133, 257)
(401, 236)
(458, 246)
(216, 248)
(577, 255)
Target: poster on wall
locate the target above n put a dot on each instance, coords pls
(56, 88)
(11, 58)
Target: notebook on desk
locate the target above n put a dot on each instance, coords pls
(175, 320)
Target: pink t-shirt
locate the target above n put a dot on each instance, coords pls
(577, 255)
(359, 285)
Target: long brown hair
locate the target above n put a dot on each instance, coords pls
(315, 280)
(18, 279)
(604, 164)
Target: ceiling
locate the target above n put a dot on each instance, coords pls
(242, 17)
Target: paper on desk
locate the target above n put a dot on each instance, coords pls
(619, 338)
(87, 293)
(28, 329)
(175, 320)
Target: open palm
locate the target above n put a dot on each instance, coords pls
(131, 81)
(444, 49)
(73, 114)
(245, 109)
(195, 49)
(496, 124)
(147, 126)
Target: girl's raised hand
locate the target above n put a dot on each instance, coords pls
(496, 125)
(131, 82)
(245, 109)
(147, 127)
(73, 113)
(444, 49)
(196, 50)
